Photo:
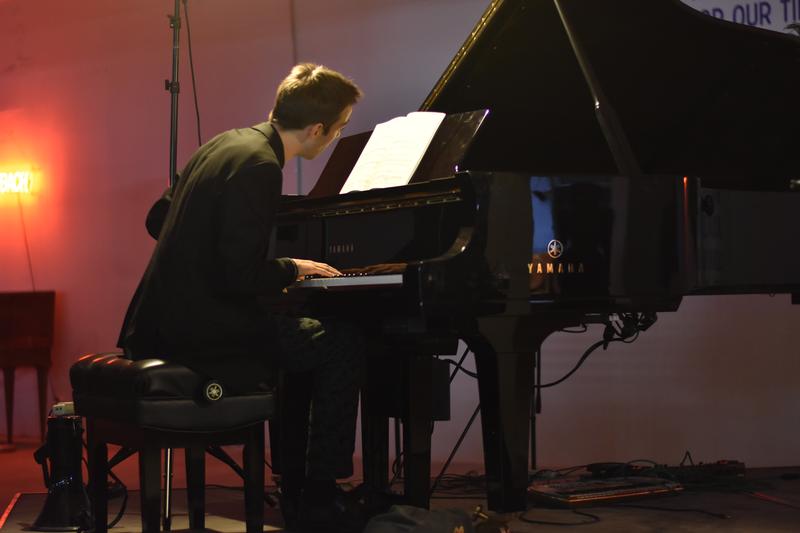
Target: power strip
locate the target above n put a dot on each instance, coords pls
(63, 409)
(703, 472)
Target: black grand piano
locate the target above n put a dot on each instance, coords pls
(633, 153)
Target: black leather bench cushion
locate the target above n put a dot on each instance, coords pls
(160, 395)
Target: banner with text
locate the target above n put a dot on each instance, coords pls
(774, 15)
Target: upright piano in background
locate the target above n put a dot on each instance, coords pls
(26, 339)
(634, 152)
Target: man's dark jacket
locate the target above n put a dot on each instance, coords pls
(198, 301)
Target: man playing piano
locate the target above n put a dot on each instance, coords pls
(198, 301)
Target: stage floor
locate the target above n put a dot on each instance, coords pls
(769, 501)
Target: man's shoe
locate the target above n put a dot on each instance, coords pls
(342, 514)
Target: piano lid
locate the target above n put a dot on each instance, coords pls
(680, 92)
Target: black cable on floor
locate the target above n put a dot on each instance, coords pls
(593, 519)
(771, 499)
(455, 448)
(721, 516)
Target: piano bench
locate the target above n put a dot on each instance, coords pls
(149, 405)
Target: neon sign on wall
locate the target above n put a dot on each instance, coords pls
(15, 182)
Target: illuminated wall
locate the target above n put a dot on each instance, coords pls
(83, 105)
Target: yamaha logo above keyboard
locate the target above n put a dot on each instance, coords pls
(341, 248)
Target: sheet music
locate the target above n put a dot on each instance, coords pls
(393, 152)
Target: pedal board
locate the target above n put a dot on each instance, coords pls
(576, 492)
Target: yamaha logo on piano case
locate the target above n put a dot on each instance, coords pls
(539, 267)
(555, 249)
(341, 248)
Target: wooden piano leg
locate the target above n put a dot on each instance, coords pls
(504, 385)
(506, 349)
(8, 377)
(417, 418)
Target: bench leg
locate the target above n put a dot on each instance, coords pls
(253, 459)
(97, 459)
(150, 484)
(195, 486)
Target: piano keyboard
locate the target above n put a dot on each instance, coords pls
(352, 280)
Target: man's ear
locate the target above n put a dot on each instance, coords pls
(311, 132)
(315, 130)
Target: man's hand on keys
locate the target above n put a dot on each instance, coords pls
(306, 267)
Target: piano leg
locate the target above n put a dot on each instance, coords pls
(417, 420)
(505, 348)
(504, 386)
(403, 382)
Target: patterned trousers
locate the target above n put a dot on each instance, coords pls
(325, 358)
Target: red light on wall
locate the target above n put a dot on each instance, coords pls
(16, 182)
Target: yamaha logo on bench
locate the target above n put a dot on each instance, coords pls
(213, 391)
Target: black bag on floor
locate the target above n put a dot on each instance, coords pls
(407, 519)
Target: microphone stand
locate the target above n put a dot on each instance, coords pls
(174, 88)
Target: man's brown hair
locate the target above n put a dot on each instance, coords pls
(312, 94)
